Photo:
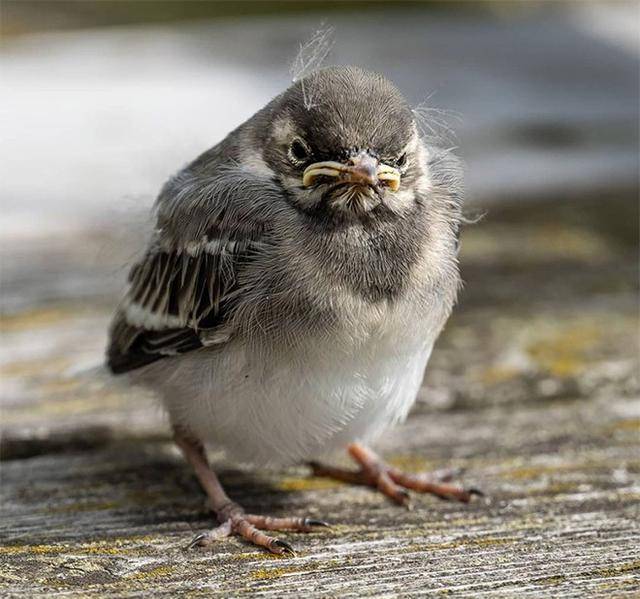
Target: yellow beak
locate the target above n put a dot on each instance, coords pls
(364, 169)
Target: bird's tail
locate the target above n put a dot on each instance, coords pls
(96, 375)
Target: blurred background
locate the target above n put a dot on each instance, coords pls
(102, 101)
(532, 388)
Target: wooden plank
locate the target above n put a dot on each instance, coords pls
(532, 392)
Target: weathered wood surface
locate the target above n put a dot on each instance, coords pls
(532, 391)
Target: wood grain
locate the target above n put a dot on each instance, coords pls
(532, 392)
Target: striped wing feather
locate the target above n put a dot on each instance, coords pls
(176, 302)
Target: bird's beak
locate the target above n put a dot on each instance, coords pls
(362, 169)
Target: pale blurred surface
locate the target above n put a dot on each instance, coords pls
(533, 387)
(94, 121)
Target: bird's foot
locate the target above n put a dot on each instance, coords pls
(234, 521)
(393, 482)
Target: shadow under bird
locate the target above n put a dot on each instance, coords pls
(296, 280)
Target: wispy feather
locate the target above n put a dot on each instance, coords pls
(310, 58)
(433, 124)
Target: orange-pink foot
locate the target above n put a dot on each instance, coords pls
(393, 482)
(250, 527)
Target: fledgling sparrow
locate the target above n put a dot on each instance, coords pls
(297, 278)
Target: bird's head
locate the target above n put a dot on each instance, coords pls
(344, 142)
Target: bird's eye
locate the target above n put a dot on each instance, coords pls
(402, 161)
(299, 152)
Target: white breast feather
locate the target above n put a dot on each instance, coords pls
(299, 408)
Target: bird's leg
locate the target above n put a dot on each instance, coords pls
(232, 518)
(391, 481)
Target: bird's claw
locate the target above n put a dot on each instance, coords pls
(407, 503)
(286, 548)
(198, 541)
(313, 522)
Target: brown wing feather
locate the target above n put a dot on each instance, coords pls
(210, 219)
(175, 302)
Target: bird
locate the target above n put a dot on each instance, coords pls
(287, 302)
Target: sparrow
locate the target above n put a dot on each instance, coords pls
(288, 300)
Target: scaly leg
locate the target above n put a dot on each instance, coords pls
(392, 482)
(232, 518)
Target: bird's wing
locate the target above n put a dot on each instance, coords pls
(181, 291)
